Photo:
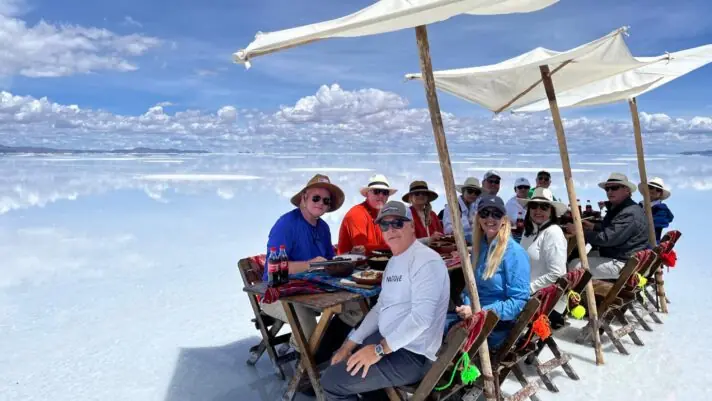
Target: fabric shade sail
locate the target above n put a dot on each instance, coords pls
(381, 17)
(632, 83)
(515, 83)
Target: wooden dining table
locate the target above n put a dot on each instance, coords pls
(329, 304)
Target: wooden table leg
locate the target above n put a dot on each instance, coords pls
(306, 351)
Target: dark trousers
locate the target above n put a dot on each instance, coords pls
(395, 369)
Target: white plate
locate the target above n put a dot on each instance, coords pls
(351, 256)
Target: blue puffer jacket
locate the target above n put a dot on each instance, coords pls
(662, 217)
(507, 291)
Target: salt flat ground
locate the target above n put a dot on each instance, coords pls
(118, 275)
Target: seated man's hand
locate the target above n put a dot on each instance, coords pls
(317, 259)
(359, 250)
(343, 352)
(363, 358)
(436, 235)
(463, 311)
(587, 225)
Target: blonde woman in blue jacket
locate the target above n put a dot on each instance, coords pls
(502, 269)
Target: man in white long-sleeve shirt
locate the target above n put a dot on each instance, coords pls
(398, 339)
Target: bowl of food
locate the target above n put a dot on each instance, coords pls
(368, 277)
(378, 262)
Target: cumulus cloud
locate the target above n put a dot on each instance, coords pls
(333, 119)
(53, 50)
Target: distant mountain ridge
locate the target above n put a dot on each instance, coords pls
(133, 151)
(698, 152)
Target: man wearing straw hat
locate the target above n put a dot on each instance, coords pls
(469, 191)
(662, 216)
(358, 233)
(623, 232)
(400, 336)
(307, 238)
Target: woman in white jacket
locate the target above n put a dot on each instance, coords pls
(543, 239)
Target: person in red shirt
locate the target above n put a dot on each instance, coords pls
(358, 232)
(426, 222)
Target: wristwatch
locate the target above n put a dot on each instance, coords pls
(379, 351)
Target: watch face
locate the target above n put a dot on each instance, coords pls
(379, 350)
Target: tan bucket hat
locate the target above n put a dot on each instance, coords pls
(544, 195)
(418, 187)
(620, 179)
(322, 181)
(470, 182)
(657, 182)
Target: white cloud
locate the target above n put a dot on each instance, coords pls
(53, 50)
(129, 21)
(332, 120)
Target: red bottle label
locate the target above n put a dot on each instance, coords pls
(273, 267)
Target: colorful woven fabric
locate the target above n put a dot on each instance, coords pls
(323, 278)
(294, 287)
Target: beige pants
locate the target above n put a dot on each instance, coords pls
(351, 315)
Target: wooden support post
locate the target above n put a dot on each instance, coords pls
(633, 103)
(426, 69)
(580, 242)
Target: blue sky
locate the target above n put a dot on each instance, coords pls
(188, 45)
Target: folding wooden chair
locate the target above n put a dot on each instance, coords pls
(651, 289)
(612, 302)
(644, 305)
(251, 272)
(507, 357)
(444, 367)
(573, 281)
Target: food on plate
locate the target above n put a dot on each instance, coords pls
(369, 274)
(380, 258)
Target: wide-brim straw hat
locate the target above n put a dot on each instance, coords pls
(544, 195)
(657, 182)
(419, 187)
(322, 181)
(620, 179)
(378, 181)
(470, 182)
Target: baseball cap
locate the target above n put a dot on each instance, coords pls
(544, 172)
(521, 181)
(394, 209)
(492, 173)
(494, 201)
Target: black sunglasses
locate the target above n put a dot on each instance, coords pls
(652, 188)
(471, 191)
(613, 187)
(527, 187)
(386, 225)
(381, 192)
(317, 198)
(494, 213)
(543, 206)
(543, 178)
(493, 181)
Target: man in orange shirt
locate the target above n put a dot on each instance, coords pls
(359, 233)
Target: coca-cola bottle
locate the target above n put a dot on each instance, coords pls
(283, 265)
(589, 208)
(273, 279)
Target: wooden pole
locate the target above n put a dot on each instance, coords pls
(633, 103)
(426, 68)
(580, 242)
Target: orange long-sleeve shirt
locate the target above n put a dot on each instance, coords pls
(358, 228)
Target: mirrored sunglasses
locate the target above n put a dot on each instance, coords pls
(527, 187)
(386, 225)
(489, 212)
(613, 188)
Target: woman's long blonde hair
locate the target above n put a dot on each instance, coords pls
(494, 255)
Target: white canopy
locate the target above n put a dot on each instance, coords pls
(633, 83)
(383, 16)
(515, 83)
